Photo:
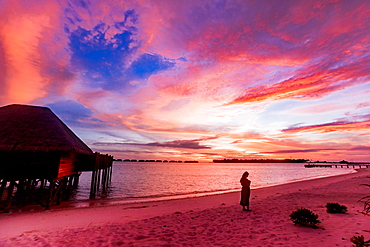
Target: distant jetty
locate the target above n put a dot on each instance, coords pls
(260, 161)
(164, 161)
(341, 164)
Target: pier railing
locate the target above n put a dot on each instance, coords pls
(349, 165)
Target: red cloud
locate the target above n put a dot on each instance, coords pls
(338, 126)
(314, 85)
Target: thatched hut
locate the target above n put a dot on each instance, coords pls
(35, 145)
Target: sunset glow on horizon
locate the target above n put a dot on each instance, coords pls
(196, 80)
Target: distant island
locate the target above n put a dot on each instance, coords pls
(260, 161)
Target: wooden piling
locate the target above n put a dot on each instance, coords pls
(92, 186)
(26, 192)
(101, 174)
(68, 187)
(9, 196)
(50, 197)
(20, 188)
(59, 191)
(98, 183)
(2, 188)
(76, 180)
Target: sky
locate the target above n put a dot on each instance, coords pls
(196, 80)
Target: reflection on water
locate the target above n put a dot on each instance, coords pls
(149, 181)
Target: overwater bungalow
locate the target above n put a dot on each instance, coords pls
(38, 150)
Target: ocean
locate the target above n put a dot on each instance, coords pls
(141, 181)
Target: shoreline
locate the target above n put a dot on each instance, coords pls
(124, 201)
(197, 220)
(86, 203)
(124, 188)
(81, 203)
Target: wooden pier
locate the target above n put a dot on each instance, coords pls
(44, 192)
(41, 159)
(349, 165)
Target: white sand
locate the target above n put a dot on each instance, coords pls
(204, 221)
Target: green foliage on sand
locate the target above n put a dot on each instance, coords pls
(359, 241)
(304, 217)
(335, 208)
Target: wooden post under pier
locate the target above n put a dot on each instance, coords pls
(101, 174)
(9, 196)
(2, 188)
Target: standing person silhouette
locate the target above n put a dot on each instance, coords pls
(246, 191)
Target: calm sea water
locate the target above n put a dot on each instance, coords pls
(138, 181)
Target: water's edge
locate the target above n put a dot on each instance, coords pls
(204, 180)
(149, 199)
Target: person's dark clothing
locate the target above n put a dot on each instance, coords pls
(246, 192)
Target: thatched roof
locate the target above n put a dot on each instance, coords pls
(25, 128)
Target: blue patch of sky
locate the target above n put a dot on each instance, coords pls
(148, 64)
(104, 62)
(129, 16)
(281, 106)
(101, 60)
(74, 114)
(82, 3)
(285, 112)
(182, 59)
(71, 15)
(294, 112)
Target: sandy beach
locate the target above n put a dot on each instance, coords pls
(203, 221)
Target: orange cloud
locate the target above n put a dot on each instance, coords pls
(20, 41)
(23, 33)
